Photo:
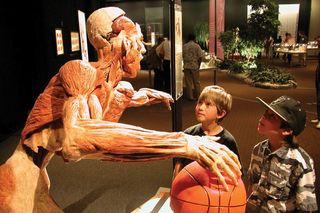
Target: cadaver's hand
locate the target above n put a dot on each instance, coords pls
(119, 101)
(146, 96)
(125, 88)
(215, 157)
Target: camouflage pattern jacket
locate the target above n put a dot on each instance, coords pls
(282, 181)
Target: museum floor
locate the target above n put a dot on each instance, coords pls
(93, 186)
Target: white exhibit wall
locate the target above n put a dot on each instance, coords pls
(288, 17)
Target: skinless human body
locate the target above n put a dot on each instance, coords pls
(76, 117)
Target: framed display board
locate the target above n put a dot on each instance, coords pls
(178, 50)
(83, 35)
(59, 41)
(176, 63)
(74, 37)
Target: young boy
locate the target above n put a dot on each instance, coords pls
(214, 103)
(281, 173)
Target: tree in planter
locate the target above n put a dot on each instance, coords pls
(262, 24)
(232, 43)
(228, 41)
(249, 50)
(263, 21)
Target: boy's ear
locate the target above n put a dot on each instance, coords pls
(286, 132)
(222, 114)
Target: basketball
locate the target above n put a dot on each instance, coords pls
(196, 189)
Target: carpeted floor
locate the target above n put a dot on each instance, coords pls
(93, 186)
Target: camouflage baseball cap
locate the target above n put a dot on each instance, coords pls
(290, 110)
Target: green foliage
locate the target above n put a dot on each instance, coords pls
(270, 74)
(228, 41)
(232, 66)
(249, 49)
(248, 65)
(257, 73)
(201, 31)
(263, 22)
(224, 64)
(237, 67)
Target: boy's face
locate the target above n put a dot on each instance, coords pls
(206, 111)
(269, 124)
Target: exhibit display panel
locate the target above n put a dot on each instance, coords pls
(178, 51)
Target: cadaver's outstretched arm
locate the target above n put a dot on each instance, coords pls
(93, 138)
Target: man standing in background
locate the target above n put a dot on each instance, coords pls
(155, 63)
(192, 55)
(164, 52)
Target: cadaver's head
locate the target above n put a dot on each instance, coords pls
(107, 26)
(99, 25)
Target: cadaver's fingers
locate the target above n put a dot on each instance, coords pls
(221, 162)
(229, 157)
(211, 164)
(233, 156)
(233, 162)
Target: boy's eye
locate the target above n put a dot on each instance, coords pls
(210, 103)
(206, 103)
(270, 115)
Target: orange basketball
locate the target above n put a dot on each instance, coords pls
(196, 189)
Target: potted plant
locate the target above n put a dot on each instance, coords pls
(201, 31)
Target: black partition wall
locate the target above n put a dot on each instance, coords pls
(28, 56)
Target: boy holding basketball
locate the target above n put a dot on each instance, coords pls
(281, 173)
(214, 103)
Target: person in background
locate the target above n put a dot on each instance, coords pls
(288, 42)
(277, 42)
(302, 41)
(302, 38)
(155, 63)
(164, 52)
(268, 43)
(281, 174)
(192, 55)
(212, 107)
(317, 84)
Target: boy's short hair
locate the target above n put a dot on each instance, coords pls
(219, 97)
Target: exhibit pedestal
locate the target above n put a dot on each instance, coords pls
(159, 203)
